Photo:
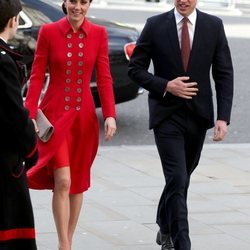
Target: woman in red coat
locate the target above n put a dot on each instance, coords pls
(70, 48)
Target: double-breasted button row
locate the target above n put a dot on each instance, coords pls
(81, 35)
(74, 50)
(80, 45)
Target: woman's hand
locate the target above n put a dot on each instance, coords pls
(109, 128)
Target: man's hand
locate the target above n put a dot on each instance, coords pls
(109, 128)
(220, 130)
(182, 89)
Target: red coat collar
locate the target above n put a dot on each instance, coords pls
(65, 26)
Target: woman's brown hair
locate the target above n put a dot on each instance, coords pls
(65, 10)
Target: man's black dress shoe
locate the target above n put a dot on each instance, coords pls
(165, 241)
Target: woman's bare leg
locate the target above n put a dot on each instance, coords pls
(75, 209)
(61, 206)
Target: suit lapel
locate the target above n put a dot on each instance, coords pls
(173, 36)
(197, 40)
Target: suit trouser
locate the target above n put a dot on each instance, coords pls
(179, 140)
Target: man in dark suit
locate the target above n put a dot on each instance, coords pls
(180, 102)
(18, 141)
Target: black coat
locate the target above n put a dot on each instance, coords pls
(17, 143)
(159, 42)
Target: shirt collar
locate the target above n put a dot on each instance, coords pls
(66, 28)
(3, 39)
(192, 17)
(4, 46)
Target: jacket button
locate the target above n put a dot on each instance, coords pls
(79, 99)
(66, 107)
(78, 90)
(79, 81)
(79, 72)
(81, 36)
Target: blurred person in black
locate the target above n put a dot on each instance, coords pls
(18, 141)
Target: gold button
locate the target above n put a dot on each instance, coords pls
(69, 36)
(78, 90)
(66, 107)
(80, 45)
(79, 81)
(78, 99)
(67, 89)
(81, 36)
(68, 80)
(78, 108)
(69, 45)
(69, 54)
(80, 54)
(69, 63)
(80, 63)
(67, 98)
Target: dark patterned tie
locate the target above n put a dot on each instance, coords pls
(185, 43)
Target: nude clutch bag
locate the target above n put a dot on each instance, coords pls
(45, 127)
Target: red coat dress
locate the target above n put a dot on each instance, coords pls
(68, 102)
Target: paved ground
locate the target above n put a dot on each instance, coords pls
(119, 210)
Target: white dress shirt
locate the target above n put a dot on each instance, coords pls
(191, 25)
(3, 39)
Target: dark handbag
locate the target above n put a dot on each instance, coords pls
(45, 127)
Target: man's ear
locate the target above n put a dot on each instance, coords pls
(12, 22)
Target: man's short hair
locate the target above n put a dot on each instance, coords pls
(8, 9)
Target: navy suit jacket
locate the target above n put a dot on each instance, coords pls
(159, 42)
